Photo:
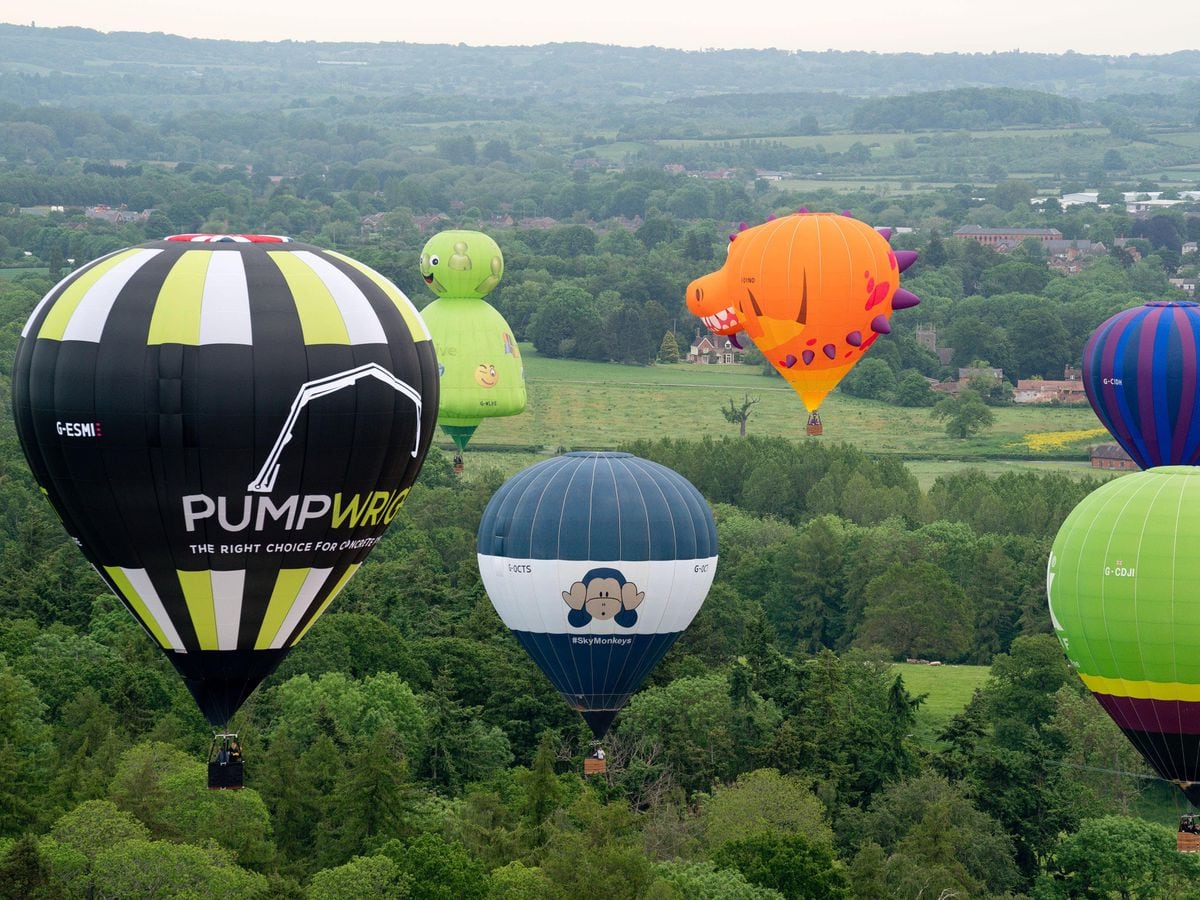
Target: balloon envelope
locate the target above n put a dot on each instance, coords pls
(482, 375)
(597, 562)
(226, 427)
(1121, 584)
(1140, 374)
(812, 290)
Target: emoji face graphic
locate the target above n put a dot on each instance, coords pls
(485, 375)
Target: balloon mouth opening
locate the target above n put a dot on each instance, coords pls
(1184, 303)
(203, 238)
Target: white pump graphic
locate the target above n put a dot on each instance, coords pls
(264, 481)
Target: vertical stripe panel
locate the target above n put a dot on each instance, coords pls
(1130, 370)
(320, 319)
(136, 585)
(61, 313)
(122, 582)
(1149, 369)
(52, 293)
(176, 318)
(87, 322)
(197, 591)
(1163, 365)
(1191, 358)
(228, 588)
(287, 586)
(225, 312)
(337, 589)
(308, 592)
(416, 325)
(362, 325)
(1093, 359)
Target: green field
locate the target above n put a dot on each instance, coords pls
(842, 141)
(930, 470)
(949, 690)
(16, 273)
(584, 405)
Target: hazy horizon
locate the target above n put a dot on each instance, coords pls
(937, 26)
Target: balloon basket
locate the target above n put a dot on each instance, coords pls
(813, 428)
(1187, 839)
(226, 776)
(226, 768)
(593, 766)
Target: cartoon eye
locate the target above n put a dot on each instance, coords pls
(433, 260)
(492, 370)
(699, 294)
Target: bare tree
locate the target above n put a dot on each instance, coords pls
(737, 415)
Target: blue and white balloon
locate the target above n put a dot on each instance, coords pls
(597, 562)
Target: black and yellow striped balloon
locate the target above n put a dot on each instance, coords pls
(226, 426)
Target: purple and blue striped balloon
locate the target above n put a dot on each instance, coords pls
(1140, 374)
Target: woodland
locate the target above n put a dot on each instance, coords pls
(408, 747)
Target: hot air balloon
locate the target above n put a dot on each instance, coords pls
(597, 562)
(813, 291)
(225, 425)
(480, 364)
(1140, 373)
(1121, 584)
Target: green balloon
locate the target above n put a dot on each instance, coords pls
(465, 264)
(480, 364)
(1121, 584)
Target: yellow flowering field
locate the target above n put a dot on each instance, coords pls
(1045, 441)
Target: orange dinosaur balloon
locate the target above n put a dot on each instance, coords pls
(813, 291)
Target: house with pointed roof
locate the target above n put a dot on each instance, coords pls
(713, 350)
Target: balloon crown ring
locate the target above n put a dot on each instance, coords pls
(229, 238)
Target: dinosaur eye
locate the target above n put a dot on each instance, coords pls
(433, 260)
(699, 294)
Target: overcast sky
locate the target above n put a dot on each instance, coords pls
(924, 26)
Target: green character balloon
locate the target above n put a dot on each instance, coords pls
(478, 358)
(465, 265)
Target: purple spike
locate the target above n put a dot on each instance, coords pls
(733, 340)
(808, 356)
(880, 325)
(770, 217)
(846, 212)
(885, 233)
(789, 360)
(742, 226)
(903, 299)
(905, 258)
(829, 350)
(802, 211)
(854, 339)
(732, 237)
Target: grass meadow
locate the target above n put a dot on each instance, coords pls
(575, 405)
(948, 689)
